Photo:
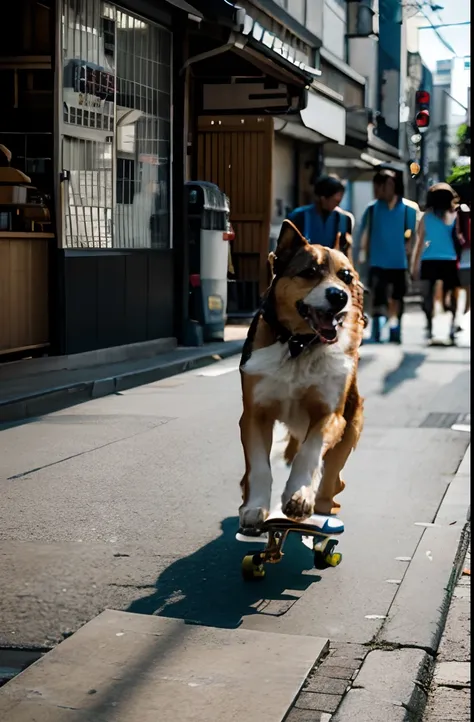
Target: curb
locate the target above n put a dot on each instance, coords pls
(443, 545)
(55, 399)
(410, 646)
(389, 679)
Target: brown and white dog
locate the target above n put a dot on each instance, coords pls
(299, 366)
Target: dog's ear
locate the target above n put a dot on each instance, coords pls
(271, 263)
(290, 241)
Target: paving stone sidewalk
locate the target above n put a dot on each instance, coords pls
(328, 682)
(450, 694)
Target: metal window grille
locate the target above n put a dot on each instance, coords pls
(117, 128)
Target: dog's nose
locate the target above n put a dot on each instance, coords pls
(337, 298)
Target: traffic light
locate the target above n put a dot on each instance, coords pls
(422, 113)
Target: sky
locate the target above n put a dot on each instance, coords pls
(458, 37)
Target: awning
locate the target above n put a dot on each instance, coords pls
(325, 117)
(187, 8)
(255, 38)
(376, 157)
(382, 151)
(293, 127)
(355, 163)
(268, 44)
(322, 121)
(357, 127)
(357, 155)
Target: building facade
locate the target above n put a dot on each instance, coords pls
(292, 97)
(94, 116)
(109, 110)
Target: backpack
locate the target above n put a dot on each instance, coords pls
(345, 242)
(459, 239)
(370, 217)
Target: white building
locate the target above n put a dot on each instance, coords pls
(448, 114)
(349, 61)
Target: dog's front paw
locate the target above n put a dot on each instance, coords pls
(252, 518)
(299, 506)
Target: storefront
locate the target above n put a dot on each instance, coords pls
(87, 116)
(116, 164)
(251, 84)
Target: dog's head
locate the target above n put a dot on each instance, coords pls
(315, 288)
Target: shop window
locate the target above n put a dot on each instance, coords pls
(125, 181)
(89, 201)
(143, 88)
(117, 113)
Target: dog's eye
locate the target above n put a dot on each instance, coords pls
(310, 272)
(345, 276)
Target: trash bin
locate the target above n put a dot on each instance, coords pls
(208, 225)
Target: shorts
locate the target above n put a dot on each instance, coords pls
(445, 271)
(386, 283)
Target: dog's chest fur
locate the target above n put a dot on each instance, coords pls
(285, 379)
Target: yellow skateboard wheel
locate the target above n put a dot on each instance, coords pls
(251, 570)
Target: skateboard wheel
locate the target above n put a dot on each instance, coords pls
(325, 556)
(334, 559)
(252, 567)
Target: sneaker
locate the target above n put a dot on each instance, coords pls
(452, 335)
(395, 334)
(377, 323)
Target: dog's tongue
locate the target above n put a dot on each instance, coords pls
(326, 321)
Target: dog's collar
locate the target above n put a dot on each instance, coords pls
(297, 343)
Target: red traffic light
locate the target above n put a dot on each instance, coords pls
(422, 97)
(422, 119)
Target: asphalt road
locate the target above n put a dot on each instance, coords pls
(130, 502)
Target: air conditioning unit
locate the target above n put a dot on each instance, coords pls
(362, 19)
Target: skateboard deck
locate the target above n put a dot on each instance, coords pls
(317, 532)
(277, 521)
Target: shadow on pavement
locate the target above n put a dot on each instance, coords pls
(407, 370)
(206, 587)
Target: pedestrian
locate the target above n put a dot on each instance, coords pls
(387, 227)
(323, 222)
(437, 251)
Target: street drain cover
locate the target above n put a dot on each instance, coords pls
(438, 420)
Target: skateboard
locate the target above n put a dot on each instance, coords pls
(317, 533)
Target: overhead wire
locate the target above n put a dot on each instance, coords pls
(433, 27)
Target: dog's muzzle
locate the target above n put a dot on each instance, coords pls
(324, 323)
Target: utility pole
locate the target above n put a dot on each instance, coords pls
(420, 181)
(442, 147)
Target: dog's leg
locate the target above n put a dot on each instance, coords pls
(331, 483)
(336, 457)
(300, 491)
(291, 450)
(256, 433)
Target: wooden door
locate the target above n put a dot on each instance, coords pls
(236, 153)
(24, 288)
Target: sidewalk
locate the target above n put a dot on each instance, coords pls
(26, 390)
(388, 680)
(450, 694)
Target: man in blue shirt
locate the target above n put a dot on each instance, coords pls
(387, 226)
(323, 222)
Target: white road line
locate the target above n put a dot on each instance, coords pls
(462, 427)
(220, 368)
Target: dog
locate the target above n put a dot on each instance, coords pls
(299, 366)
